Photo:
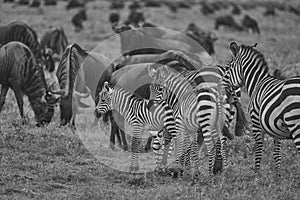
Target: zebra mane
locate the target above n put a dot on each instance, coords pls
(257, 53)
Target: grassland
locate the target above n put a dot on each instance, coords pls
(55, 163)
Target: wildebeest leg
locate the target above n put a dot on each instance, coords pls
(3, 93)
(121, 129)
(19, 97)
(148, 145)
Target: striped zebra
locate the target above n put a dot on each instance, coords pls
(191, 115)
(210, 78)
(139, 114)
(274, 104)
(20, 72)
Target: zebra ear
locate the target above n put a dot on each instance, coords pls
(164, 71)
(106, 86)
(234, 48)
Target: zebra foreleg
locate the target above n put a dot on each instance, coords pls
(3, 94)
(135, 147)
(258, 149)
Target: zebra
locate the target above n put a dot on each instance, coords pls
(274, 104)
(209, 77)
(138, 114)
(20, 71)
(190, 114)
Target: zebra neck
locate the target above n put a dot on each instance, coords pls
(123, 101)
(254, 75)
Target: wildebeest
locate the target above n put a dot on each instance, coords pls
(250, 23)
(78, 18)
(235, 9)
(35, 3)
(227, 21)
(117, 4)
(153, 3)
(20, 72)
(206, 8)
(155, 40)
(78, 70)
(19, 31)
(23, 2)
(294, 10)
(75, 4)
(55, 39)
(270, 11)
(135, 17)
(135, 5)
(50, 2)
(205, 38)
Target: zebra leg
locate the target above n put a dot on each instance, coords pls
(148, 144)
(135, 147)
(3, 94)
(259, 140)
(224, 151)
(277, 155)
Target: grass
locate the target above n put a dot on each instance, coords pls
(55, 163)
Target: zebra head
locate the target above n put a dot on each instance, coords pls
(105, 100)
(157, 92)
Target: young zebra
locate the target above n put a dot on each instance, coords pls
(139, 114)
(190, 114)
(274, 104)
(207, 80)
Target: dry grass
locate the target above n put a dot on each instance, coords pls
(55, 163)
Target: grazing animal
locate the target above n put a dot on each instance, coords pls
(50, 2)
(250, 23)
(75, 4)
(206, 9)
(235, 9)
(135, 5)
(227, 21)
(210, 78)
(56, 40)
(117, 4)
(35, 3)
(270, 11)
(274, 104)
(179, 88)
(137, 113)
(19, 31)
(134, 18)
(153, 3)
(78, 18)
(8, 1)
(20, 71)
(23, 2)
(77, 71)
(132, 74)
(205, 39)
(294, 10)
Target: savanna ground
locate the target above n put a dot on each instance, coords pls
(55, 163)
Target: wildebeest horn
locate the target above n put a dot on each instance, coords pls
(83, 95)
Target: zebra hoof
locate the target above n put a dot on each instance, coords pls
(133, 168)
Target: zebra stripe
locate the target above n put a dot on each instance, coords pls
(274, 104)
(138, 114)
(182, 97)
